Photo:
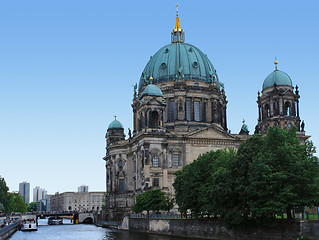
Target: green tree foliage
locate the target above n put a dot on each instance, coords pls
(10, 202)
(2, 209)
(193, 184)
(32, 206)
(4, 197)
(154, 200)
(268, 175)
(16, 203)
(282, 176)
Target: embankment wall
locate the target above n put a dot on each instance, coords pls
(217, 230)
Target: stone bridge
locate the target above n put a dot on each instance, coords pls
(86, 218)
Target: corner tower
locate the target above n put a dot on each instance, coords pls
(278, 104)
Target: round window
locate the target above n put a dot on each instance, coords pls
(163, 65)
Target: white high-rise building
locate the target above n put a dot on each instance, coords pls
(39, 194)
(83, 188)
(24, 190)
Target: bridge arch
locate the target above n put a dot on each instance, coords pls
(88, 220)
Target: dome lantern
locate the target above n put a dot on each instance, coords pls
(177, 34)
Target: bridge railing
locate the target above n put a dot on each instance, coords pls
(159, 216)
(8, 228)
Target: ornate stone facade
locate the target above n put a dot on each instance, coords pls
(179, 112)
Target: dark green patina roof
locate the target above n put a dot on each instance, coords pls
(277, 77)
(178, 60)
(115, 125)
(152, 90)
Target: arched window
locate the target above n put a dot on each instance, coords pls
(155, 161)
(287, 108)
(154, 119)
(267, 111)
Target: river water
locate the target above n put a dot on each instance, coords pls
(69, 231)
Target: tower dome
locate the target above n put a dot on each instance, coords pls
(115, 125)
(277, 77)
(152, 90)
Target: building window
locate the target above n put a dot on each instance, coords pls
(175, 160)
(122, 186)
(155, 161)
(154, 119)
(155, 182)
(188, 110)
(166, 116)
(121, 164)
(172, 107)
(197, 111)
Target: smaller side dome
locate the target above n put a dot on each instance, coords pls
(152, 90)
(115, 125)
(244, 129)
(277, 77)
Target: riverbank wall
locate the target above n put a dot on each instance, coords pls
(8, 231)
(217, 230)
(214, 229)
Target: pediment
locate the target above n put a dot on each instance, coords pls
(212, 133)
(153, 101)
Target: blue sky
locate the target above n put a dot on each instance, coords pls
(67, 67)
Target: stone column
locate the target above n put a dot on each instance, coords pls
(209, 111)
(165, 178)
(281, 107)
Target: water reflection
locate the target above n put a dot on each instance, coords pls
(69, 231)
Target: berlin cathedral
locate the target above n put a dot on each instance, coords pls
(179, 112)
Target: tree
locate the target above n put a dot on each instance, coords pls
(4, 193)
(234, 204)
(169, 203)
(283, 175)
(153, 199)
(268, 175)
(32, 206)
(2, 209)
(16, 203)
(193, 184)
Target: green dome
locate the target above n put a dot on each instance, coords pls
(152, 90)
(277, 77)
(115, 125)
(178, 60)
